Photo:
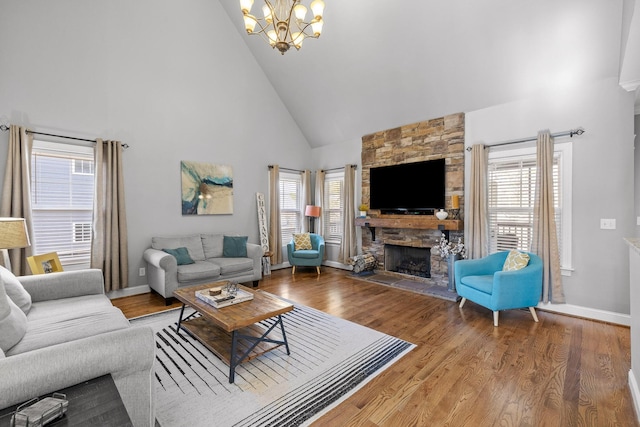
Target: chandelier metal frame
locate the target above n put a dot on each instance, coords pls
(283, 24)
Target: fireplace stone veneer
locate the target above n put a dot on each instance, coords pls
(432, 139)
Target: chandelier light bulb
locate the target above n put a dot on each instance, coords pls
(249, 23)
(297, 39)
(300, 12)
(316, 25)
(273, 37)
(245, 6)
(268, 16)
(317, 7)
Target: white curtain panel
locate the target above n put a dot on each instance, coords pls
(16, 191)
(275, 234)
(319, 195)
(477, 217)
(306, 198)
(545, 239)
(348, 247)
(109, 245)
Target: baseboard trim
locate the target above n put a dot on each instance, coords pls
(127, 292)
(635, 393)
(588, 313)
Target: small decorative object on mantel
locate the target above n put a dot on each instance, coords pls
(451, 252)
(442, 214)
(363, 210)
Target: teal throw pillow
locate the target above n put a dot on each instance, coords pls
(181, 255)
(234, 246)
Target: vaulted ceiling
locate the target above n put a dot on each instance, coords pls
(381, 64)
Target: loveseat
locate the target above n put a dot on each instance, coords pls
(200, 258)
(60, 329)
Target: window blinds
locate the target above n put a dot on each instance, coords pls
(511, 196)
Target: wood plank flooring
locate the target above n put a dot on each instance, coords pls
(562, 371)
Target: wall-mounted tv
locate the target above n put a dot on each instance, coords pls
(410, 188)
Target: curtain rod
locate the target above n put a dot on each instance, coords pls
(335, 169)
(571, 132)
(285, 169)
(6, 128)
(323, 170)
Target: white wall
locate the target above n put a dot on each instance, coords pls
(174, 80)
(603, 170)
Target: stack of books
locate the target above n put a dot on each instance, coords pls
(219, 298)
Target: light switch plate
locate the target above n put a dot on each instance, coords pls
(607, 224)
(638, 220)
(141, 271)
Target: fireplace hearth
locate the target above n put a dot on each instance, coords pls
(408, 260)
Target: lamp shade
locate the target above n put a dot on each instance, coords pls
(313, 211)
(13, 233)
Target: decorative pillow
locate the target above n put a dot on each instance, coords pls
(234, 246)
(515, 261)
(13, 322)
(181, 255)
(302, 242)
(192, 242)
(15, 290)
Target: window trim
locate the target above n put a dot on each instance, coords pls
(565, 149)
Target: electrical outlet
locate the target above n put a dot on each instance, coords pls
(607, 224)
(141, 271)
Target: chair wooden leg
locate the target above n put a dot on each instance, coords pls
(293, 270)
(462, 301)
(495, 318)
(533, 313)
(318, 269)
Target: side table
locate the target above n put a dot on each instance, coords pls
(96, 402)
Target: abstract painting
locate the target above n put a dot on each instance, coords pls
(207, 189)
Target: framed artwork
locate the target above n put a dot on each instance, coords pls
(207, 189)
(45, 263)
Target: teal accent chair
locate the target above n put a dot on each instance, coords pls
(483, 282)
(307, 257)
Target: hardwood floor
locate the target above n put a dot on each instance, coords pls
(562, 371)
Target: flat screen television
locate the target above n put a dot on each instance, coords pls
(410, 188)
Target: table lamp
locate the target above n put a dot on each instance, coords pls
(312, 212)
(13, 235)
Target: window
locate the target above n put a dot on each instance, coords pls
(82, 166)
(290, 209)
(62, 185)
(511, 192)
(81, 232)
(333, 209)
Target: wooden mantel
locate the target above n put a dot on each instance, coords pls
(421, 222)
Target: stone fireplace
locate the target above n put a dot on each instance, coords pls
(389, 237)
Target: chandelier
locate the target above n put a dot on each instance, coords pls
(283, 24)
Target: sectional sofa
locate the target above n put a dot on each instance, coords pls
(60, 329)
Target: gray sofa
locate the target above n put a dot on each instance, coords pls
(60, 329)
(207, 251)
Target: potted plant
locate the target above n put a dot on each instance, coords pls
(451, 252)
(363, 210)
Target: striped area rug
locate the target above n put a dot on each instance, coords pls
(330, 359)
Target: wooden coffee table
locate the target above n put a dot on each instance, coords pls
(233, 332)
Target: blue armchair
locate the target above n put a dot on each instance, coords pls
(307, 257)
(483, 282)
